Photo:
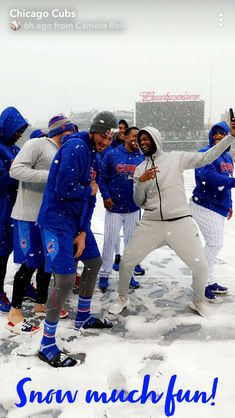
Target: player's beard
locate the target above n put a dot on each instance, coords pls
(149, 150)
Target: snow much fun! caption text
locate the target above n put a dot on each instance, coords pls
(170, 398)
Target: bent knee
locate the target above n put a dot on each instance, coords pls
(93, 264)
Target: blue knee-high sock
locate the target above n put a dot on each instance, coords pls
(48, 345)
(83, 311)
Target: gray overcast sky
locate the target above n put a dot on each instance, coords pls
(165, 46)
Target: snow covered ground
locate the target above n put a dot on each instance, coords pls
(157, 336)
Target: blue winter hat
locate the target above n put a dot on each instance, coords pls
(59, 124)
(38, 133)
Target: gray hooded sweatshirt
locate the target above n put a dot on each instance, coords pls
(31, 167)
(164, 198)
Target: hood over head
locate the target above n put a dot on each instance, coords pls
(124, 122)
(77, 135)
(222, 126)
(155, 136)
(11, 121)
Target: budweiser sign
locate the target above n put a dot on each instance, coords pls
(151, 96)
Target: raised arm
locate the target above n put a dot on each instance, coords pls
(191, 160)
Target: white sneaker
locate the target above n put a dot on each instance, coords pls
(201, 307)
(120, 303)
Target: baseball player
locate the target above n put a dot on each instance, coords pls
(65, 218)
(12, 126)
(119, 139)
(31, 168)
(159, 190)
(116, 187)
(212, 204)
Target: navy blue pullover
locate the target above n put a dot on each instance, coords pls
(116, 178)
(67, 203)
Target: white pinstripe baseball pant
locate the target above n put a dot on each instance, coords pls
(117, 245)
(211, 225)
(112, 226)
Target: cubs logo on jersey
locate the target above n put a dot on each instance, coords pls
(226, 167)
(51, 247)
(23, 243)
(125, 168)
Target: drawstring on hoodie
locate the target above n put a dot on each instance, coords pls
(160, 199)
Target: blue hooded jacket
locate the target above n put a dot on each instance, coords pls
(38, 133)
(116, 178)
(67, 203)
(214, 181)
(11, 121)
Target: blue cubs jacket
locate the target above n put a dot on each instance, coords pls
(214, 181)
(67, 202)
(11, 121)
(116, 178)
